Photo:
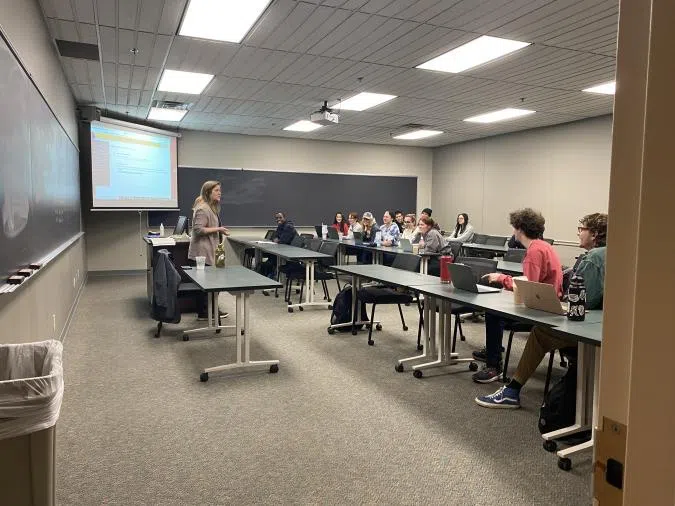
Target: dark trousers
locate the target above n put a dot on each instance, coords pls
(364, 257)
(434, 267)
(201, 298)
(494, 331)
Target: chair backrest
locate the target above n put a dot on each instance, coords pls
(328, 248)
(496, 240)
(455, 247)
(550, 241)
(479, 266)
(307, 236)
(406, 262)
(515, 255)
(298, 241)
(269, 234)
(479, 238)
(314, 244)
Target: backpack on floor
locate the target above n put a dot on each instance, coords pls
(342, 309)
(559, 407)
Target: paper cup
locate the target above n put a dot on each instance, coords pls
(201, 262)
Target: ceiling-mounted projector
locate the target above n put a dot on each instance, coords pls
(324, 116)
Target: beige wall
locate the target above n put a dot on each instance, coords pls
(39, 310)
(114, 238)
(562, 171)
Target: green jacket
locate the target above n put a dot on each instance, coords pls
(592, 268)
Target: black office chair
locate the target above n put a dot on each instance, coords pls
(479, 238)
(515, 255)
(379, 294)
(307, 236)
(479, 267)
(269, 235)
(495, 240)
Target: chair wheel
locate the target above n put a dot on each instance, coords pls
(405, 328)
(243, 331)
(266, 294)
(354, 332)
(420, 347)
(301, 308)
(218, 331)
(156, 334)
(276, 295)
(290, 309)
(550, 446)
(564, 463)
(473, 366)
(204, 377)
(379, 327)
(399, 368)
(371, 342)
(418, 373)
(331, 331)
(186, 337)
(462, 338)
(330, 306)
(274, 368)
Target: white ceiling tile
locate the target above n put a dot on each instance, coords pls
(159, 50)
(145, 43)
(87, 33)
(108, 44)
(151, 14)
(84, 94)
(62, 9)
(66, 30)
(84, 10)
(339, 33)
(110, 74)
(126, 40)
(107, 12)
(316, 29)
(173, 9)
(134, 97)
(128, 13)
(295, 19)
(123, 76)
(138, 76)
(271, 19)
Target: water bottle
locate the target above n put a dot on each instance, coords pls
(161, 229)
(576, 295)
(444, 261)
(378, 237)
(324, 231)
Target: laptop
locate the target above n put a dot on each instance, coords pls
(405, 245)
(463, 279)
(332, 233)
(541, 296)
(358, 237)
(181, 226)
(319, 231)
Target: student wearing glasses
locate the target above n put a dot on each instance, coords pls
(541, 264)
(592, 234)
(409, 228)
(463, 229)
(354, 225)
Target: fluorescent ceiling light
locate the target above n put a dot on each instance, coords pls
(364, 101)
(474, 53)
(501, 115)
(605, 88)
(224, 20)
(417, 134)
(178, 81)
(162, 114)
(303, 126)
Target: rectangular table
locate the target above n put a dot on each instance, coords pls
(495, 250)
(379, 251)
(510, 268)
(304, 256)
(241, 283)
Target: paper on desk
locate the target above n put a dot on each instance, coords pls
(264, 242)
(162, 241)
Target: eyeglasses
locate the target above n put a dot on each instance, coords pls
(581, 229)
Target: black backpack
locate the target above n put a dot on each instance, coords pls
(559, 407)
(342, 309)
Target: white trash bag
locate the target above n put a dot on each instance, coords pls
(31, 387)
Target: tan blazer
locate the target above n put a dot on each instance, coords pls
(202, 244)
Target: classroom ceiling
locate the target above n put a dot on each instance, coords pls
(302, 52)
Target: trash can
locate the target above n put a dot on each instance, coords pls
(31, 390)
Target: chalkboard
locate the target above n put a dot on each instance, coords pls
(251, 197)
(39, 172)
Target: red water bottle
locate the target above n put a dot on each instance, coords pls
(445, 272)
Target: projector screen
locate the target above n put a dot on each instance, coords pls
(132, 168)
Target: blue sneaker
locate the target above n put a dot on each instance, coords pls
(504, 398)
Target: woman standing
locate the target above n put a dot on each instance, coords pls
(206, 230)
(340, 224)
(463, 229)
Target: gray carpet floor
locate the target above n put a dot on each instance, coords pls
(335, 425)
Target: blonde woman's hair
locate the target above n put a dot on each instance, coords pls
(205, 195)
(198, 201)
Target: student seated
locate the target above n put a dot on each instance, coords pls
(354, 225)
(409, 227)
(431, 241)
(592, 234)
(398, 217)
(427, 212)
(463, 229)
(541, 264)
(389, 230)
(285, 229)
(340, 224)
(370, 229)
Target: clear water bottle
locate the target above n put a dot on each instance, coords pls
(576, 295)
(161, 229)
(378, 237)
(324, 231)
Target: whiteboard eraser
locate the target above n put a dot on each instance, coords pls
(15, 280)
(24, 272)
(35, 266)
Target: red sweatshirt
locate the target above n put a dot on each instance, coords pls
(541, 264)
(343, 229)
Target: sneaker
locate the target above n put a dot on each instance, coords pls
(504, 398)
(480, 355)
(488, 375)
